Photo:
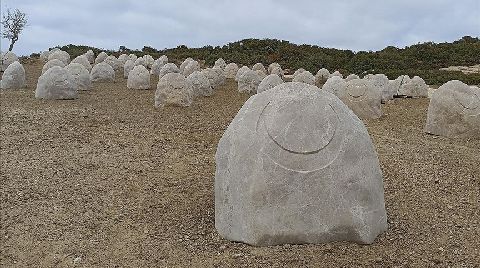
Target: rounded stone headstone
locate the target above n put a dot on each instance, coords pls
(305, 77)
(83, 60)
(297, 166)
(363, 98)
(269, 82)
(52, 63)
(14, 77)
(114, 62)
(249, 82)
(139, 78)
(90, 56)
(220, 63)
(272, 67)
(173, 89)
(100, 57)
(149, 60)
(216, 76)
(396, 86)
(381, 82)
(259, 67)
(454, 111)
(322, 76)
(56, 84)
(200, 84)
(298, 71)
(335, 85)
(352, 77)
(168, 68)
(336, 73)
(123, 58)
(133, 57)
(184, 64)
(241, 71)
(191, 67)
(157, 65)
(102, 73)
(231, 70)
(44, 55)
(414, 88)
(140, 61)
(81, 77)
(7, 58)
(127, 67)
(60, 55)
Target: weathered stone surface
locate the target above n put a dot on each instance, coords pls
(127, 67)
(321, 77)
(241, 71)
(261, 74)
(100, 57)
(336, 73)
(14, 77)
(60, 55)
(44, 55)
(381, 82)
(200, 84)
(52, 63)
(114, 62)
(298, 71)
(414, 88)
(454, 111)
(315, 181)
(173, 89)
(7, 58)
(83, 60)
(163, 59)
(56, 84)
(397, 85)
(90, 56)
(157, 66)
(191, 67)
(184, 64)
(259, 67)
(220, 63)
(80, 75)
(352, 77)
(231, 70)
(305, 77)
(272, 67)
(102, 73)
(149, 60)
(138, 78)
(123, 58)
(249, 82)
(133, 57)
(335, 85)
(168, 68)
(215, 76)
(364, 99)
(269, 82)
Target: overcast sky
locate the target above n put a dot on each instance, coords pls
(354, 24)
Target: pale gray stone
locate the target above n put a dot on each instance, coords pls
(81, 76)
(273, 67)
(52, 63)
(156, 67)
(114, 62)
(240, 71)
(321, 77)
(397, 85)
(305, 77)
(220, 63)
(215, 76)
(90, 56)
(200, 84)
(184, 64)
(168, 68)
(414, 88)
(269, 82)
(336, 73)
(100, 57)
(123, 59)
(102, 73)
(127, 67)
(56, 84)
(83, 60)
(335, 85)
(298, 71)
(249, 82)
(7, 58)
(454, 111)
(60, 55)
(149, 60)
(363, 98)
(297, 166)
(138, 78)
(231, 70)
(173, 89)
(352, 76)
(381, 82)
(133, 57)
(191, 67)
(14, 77)
(259, 67)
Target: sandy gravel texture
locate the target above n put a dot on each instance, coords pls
(109, 181)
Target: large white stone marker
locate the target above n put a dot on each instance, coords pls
(315, 181)
(173, 89)
(363, 98)
(454, 111)
(103, 73)
(269, 82)
(139, 78)
(81, 77)
(14, 77)
(56, 84)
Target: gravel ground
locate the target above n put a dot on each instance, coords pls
(109, 181)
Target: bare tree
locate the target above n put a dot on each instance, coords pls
(13, 23)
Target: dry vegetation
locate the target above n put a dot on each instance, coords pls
(109, 181)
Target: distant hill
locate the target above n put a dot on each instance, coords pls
(423, 60)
